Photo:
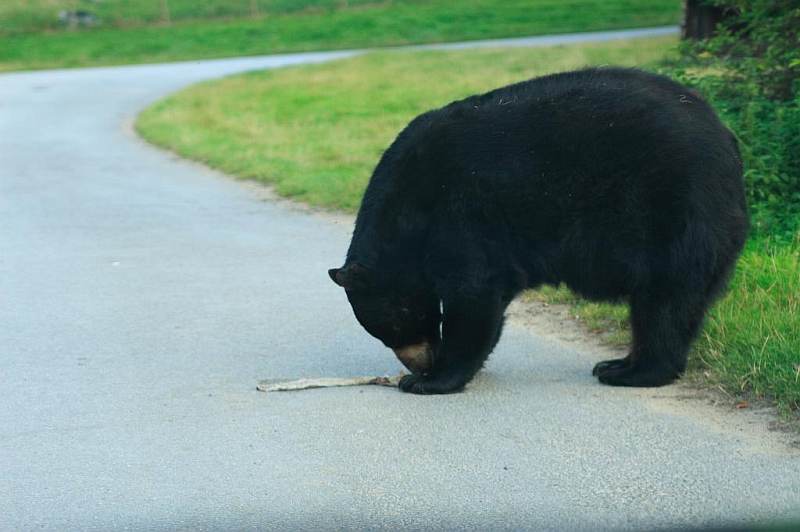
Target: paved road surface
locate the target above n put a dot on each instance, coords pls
(142, 298)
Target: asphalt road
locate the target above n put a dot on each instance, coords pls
(142, 297)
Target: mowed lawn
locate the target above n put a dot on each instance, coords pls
(144, 31)
(316, 132)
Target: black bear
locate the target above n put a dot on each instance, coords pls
(622, 184)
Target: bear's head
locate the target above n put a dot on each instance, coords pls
(403, 314)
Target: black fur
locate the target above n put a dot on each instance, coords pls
(619, 183)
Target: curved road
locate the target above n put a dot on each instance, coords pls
(142, 297)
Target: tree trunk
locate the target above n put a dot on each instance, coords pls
(700, 19)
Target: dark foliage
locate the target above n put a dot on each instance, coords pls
(750, 71)
(760, 44)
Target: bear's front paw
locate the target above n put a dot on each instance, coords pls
(426, 385)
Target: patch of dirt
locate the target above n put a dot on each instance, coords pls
(557, 322)
(754, 422)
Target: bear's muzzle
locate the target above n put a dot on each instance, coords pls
(418, 358)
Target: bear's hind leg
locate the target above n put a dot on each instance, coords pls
(663, 329)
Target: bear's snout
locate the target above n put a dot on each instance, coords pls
(418, 358)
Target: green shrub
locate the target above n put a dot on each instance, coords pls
(760, 43)
(750, 72)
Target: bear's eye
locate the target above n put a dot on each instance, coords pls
(404, 310)
(396, 327)
(421, 316)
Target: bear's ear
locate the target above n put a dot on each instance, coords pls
(351, 276)
(332, 273)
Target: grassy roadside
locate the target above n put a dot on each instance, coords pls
(211, 28)
(316, 132)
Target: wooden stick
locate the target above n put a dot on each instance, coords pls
(273, 385)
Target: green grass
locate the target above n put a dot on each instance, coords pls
(608, 319)
(134, 32)
(752, 337)
(316, 132)
(30, 16)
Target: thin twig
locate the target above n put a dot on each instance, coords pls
(273, 385)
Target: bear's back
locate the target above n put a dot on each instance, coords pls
(618, 143)
(595, 166)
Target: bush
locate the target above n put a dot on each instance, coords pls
(760, 42)
(750, 72)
